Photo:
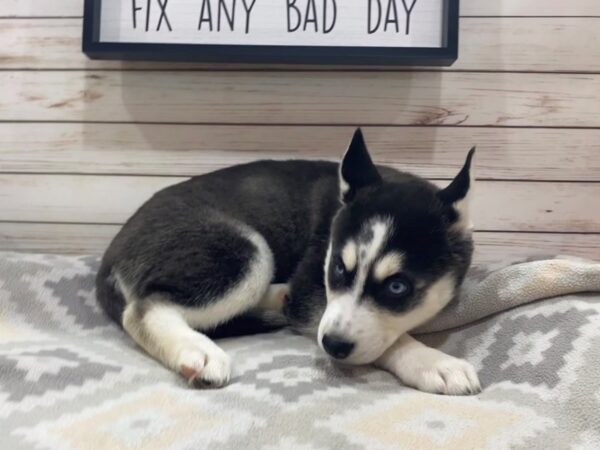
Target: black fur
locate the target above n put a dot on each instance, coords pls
(423, 217)
(422, 230)
(457, 190)
(183, 241)
(357, 167)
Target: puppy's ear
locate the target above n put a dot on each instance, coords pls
(356, 169)
(458, 195)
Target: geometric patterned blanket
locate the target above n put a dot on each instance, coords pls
(71, 379)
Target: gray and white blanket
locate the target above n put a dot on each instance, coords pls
(71, 379)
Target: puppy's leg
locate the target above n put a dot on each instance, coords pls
(274, 299)
(428, 369)
(161, 330)
(204, 279)
(306, 301)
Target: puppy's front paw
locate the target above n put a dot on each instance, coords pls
(205, 370)
(441, 374)
(216, 373)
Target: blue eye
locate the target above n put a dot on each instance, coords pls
(339, 269)
(398, 287)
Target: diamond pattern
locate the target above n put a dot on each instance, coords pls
(70, 379)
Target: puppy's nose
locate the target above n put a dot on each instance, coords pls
(336, 347)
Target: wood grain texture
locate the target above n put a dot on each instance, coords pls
(70, 239)
(41, 8)
(498, 205)
(94, 239)
(520, 90)
(530, 8)
(529, 44)
(487, 44)
(58, 8)
(402, 98)
(498, 247)
(186, 150)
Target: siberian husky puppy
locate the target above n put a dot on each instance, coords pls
(353, 254)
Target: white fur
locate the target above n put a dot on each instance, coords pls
(326, 268)
(369, 251)
(350, 255)
(166, 331)
(387, 266)
(344, 186)
(380, 227)
(428, 369)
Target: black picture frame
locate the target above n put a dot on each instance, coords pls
(275, 55)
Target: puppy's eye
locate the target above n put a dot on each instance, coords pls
(398, 287)
(339, 269)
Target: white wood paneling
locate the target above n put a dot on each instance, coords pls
(490, 44)
(530, 8)
(403, 98)
(526, 90)
(41, 8)
(71, 198)
(538, 44)
(491, 247)
(498, 205)
(185, 150)
(77, 239)
(58, 8)
(93, 239)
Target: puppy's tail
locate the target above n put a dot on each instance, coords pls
(109, 297)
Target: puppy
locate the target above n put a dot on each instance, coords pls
(353, 254)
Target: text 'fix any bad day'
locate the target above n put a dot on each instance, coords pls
(296, 16)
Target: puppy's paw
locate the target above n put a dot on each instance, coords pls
(216, 372)
(442, 374)
(275, 298)
(205, 370)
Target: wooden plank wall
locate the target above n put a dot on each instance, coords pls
(83, 143)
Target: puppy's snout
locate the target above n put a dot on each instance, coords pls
(337, 347)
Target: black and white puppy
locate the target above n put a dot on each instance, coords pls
(353, 254)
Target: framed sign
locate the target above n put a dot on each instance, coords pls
(311, 32)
